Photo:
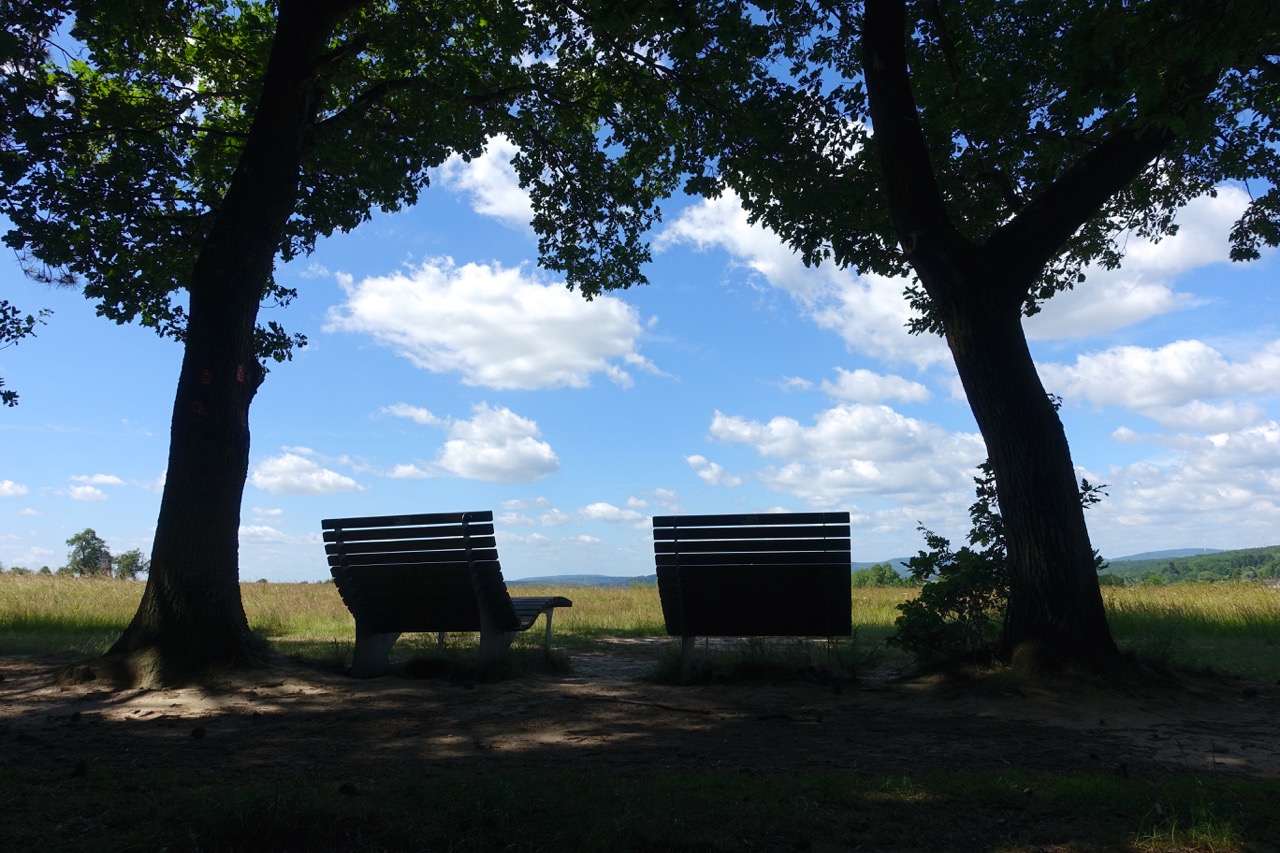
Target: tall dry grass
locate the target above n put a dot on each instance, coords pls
(1229, 627)
(631, 611)
(46, 613)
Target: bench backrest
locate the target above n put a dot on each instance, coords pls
(419, 572)
(769, 574)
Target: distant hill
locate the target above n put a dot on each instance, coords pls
(584, 580)
(1165, 555)
(1198, 564)
(899, 564)
(1172, 565)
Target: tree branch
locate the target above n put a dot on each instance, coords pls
(915, 200)
(372, 96)
(1033, 237)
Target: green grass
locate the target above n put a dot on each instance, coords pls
(695, 810)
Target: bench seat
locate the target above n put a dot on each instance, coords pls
(753, 575)
(434, 573)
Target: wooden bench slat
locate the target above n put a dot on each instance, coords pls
(439, 545)
(412, 558)
(774, 558)
(362, 534)
(748, 546)
(690, 534)
(407, 520)
(759, 519)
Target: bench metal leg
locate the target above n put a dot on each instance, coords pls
(686, 658)
(547, 642)
(494, 641)
(372, 655)
(494, 644)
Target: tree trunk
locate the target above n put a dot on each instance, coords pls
(977, 292)
(191, 615)
(1055, 613)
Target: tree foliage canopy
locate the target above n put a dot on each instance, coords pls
(1013, 99)
(89, 556)
(129, 565)
(14, 326)
(124, 124)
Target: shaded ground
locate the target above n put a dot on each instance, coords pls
(293, 720)
(600, 713)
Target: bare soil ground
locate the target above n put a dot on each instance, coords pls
(286, 718)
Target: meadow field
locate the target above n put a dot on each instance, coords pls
(1231, 628)
(301, 758)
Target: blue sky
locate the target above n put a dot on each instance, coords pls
(446, 372)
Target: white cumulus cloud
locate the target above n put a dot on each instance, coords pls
(1195, 488)
(291, 473)
(1172, 384)
(417, 414)
(98, 479)
(498, 446)
(712, 472)
(869, 312)
(554, 518)
(857, 449)
(865, 386)
(491, 183)
(10, 489)
(261, 533)
(495, 327)
(88, 494)
(602, 511)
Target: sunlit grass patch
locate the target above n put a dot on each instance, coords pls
(622, 611)
(296, 610)
(1231, 627)
(43, 614)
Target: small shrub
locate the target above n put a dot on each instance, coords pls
(961, 608)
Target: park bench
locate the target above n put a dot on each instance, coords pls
(433, 573)
(762, 575)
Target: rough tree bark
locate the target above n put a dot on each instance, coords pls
(191, 614)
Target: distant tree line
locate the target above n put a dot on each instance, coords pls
(880, 574)
(1244, 564)
(90, 557)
